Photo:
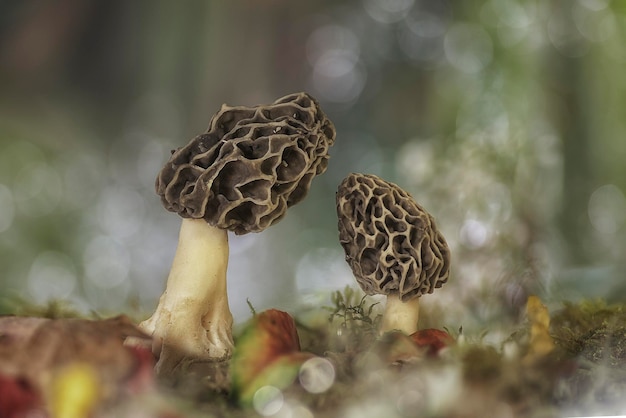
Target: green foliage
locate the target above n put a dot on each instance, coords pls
(351, 306)
(355, 319)
(53, 309)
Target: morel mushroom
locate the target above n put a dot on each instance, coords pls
(392, 245)
(241, 175)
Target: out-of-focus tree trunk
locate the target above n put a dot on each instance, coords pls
(567, 98)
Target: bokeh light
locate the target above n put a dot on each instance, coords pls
(410, 401)
(338, 75)
(38, 190)
(474, 234)
(52, 276)
(120, 211)
(322, 269)
(421, 39)
(316, 375)
(83, 177)
(607, 209)
(468, 47)
(106, 261)
(387, 11)
(565, 36)
(268, 400)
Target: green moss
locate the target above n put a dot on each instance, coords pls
(481, 363)
(353, 320)
(592, 329)
(53, 309)
(592, 335)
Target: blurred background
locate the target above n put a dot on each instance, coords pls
(505, 119)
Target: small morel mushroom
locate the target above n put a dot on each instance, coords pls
(241, 175)
(392, 245)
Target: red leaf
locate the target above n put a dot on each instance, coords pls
(432, 339)
(17, 397)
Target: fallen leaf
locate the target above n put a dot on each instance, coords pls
(266, 353)
(18, 398)
(541, 343)
(396, 348)
(34, 350)
(433, 340)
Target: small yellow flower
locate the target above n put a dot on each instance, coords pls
(75, 392)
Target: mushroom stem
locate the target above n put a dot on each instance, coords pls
(192, 321)
(401, 316)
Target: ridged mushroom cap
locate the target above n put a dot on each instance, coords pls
(391, 243)
(251, 164)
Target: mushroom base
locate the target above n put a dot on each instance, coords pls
(193, 322)
(401, 316)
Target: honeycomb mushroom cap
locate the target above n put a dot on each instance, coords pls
(251, 164)
(391, 243)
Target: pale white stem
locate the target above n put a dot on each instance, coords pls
(193, 321)
(401, 316)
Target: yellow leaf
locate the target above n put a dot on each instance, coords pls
(541, 343)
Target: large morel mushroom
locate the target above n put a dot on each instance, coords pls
(392, 246)
(241, 175)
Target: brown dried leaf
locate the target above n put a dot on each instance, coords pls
(35, 348)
